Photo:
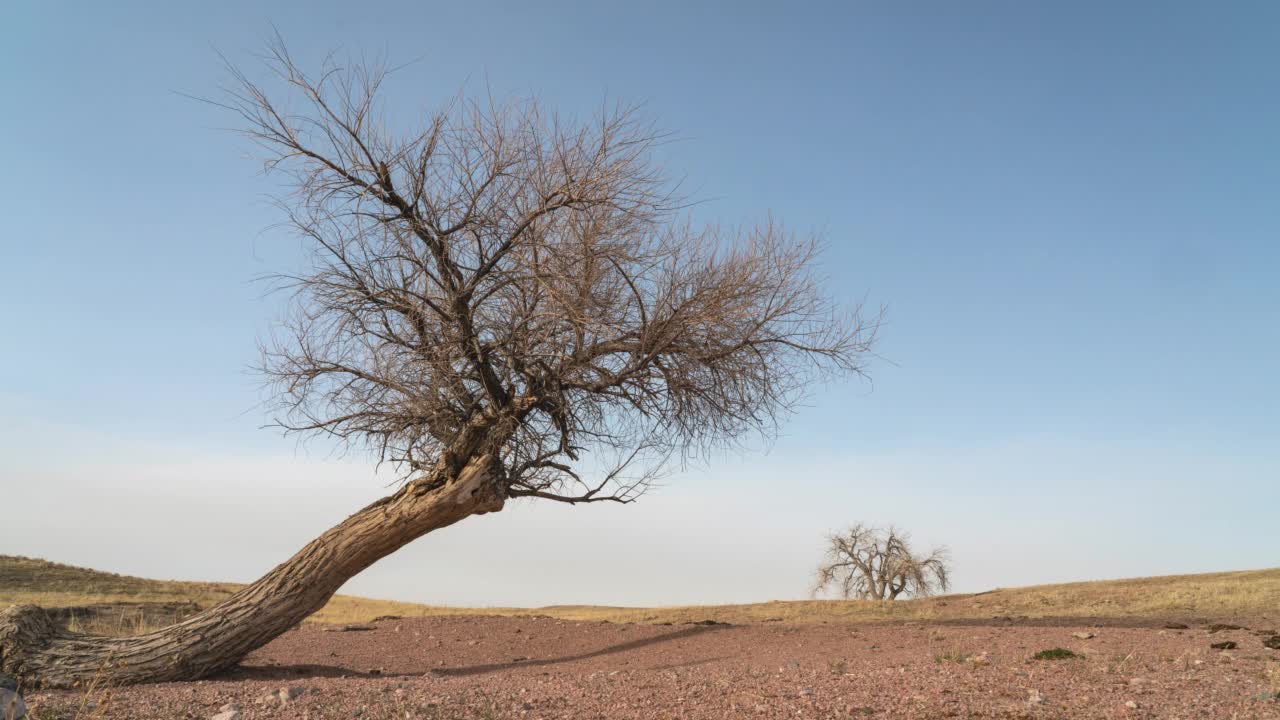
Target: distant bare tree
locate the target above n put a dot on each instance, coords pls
(878, 564)
(501, 304)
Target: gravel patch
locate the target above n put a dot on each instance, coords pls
(494, 668)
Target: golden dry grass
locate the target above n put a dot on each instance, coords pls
(1214, 595)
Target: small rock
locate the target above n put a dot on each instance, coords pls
(1225, 645)
(230, 707)
(1082, 635)
(1218, 627)
(289, 694)
(268, 699)
(1035, 698)
(1131, 705)
(1175, 626)
(1272, 642)
(806, 693)
(8, 682)
(228, 715)
(11, 705)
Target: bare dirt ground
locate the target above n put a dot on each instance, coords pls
(507, 668)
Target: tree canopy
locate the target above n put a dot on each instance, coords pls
(507, 276)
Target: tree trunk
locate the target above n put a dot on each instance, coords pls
(35, 649)
(877, 588)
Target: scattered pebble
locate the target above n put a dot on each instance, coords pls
(289, 694)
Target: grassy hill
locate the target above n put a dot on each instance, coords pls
(1213, 596)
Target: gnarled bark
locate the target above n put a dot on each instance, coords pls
(38, 651)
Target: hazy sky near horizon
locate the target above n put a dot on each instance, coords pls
(1069, 209)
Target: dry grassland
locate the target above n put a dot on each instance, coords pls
(1206, 596)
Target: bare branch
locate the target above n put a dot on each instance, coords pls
(508, 264)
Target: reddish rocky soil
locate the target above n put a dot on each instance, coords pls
(456, 668)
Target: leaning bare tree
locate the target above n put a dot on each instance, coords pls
(501, 304)
(878, 564)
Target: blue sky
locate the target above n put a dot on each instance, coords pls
(1069, 210)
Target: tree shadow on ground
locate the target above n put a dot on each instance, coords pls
(300, 672)
(1191, 622)
(612, 649)
(297, 672)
